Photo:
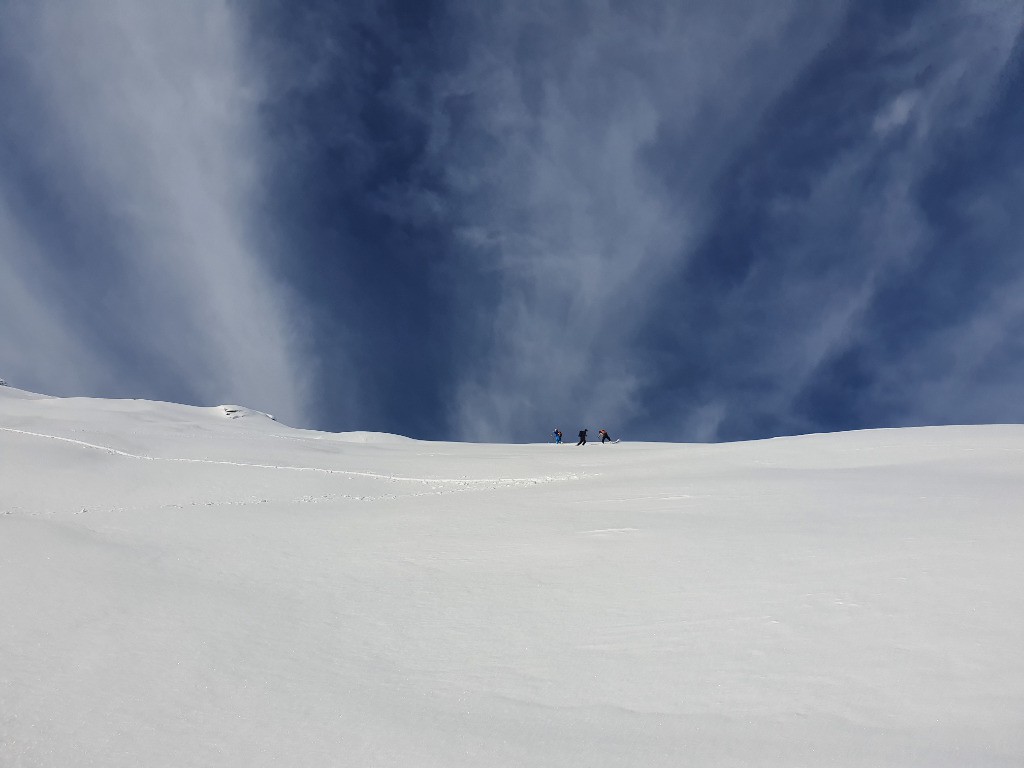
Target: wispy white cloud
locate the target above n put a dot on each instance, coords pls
(37, 330)
(584, 152)
(897, 113)
(579, 145)
(143, 117)
(946, 72)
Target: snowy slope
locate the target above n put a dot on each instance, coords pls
(188, 586)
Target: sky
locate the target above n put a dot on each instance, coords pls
(684, 221)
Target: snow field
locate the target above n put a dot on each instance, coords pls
(182, 588)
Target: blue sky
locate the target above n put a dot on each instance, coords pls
(479, 221)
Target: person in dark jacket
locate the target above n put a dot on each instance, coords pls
(583, 437)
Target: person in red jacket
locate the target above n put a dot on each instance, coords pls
(604, 435)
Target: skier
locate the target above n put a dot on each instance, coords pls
(604, 435)
(583, 437)
(558, 436)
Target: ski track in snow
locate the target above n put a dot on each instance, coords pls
(606, 531)
(480, 482)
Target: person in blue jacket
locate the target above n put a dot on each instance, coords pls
(558, 436)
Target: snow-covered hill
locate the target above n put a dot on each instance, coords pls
(188, 586)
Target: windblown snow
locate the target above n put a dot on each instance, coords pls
(187, 586)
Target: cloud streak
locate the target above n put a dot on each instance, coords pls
(684, 222)
(577, 148)
(690, 222)
(863, 229)
(140, 142)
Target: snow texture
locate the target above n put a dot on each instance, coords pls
(179, 588)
